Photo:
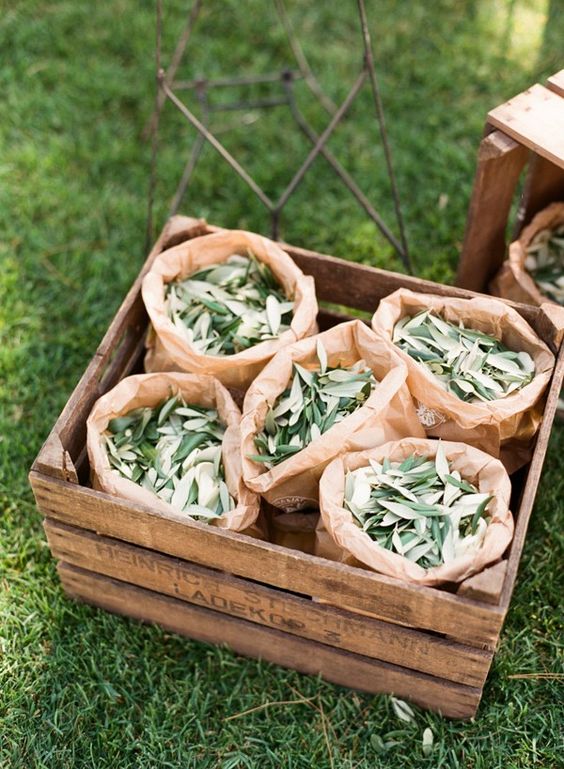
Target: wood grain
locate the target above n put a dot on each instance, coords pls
(485, 586)
(418, 607)
(534, 118)
(246, 638)
(263, 605)
(500, 162)
(556, 82)
(55, 460)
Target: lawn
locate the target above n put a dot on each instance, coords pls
(78, 687)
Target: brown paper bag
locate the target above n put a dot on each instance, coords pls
(167, 347)
(388, 413)
(487, 473)
(150, 390)
(513, 281)
(506, 424)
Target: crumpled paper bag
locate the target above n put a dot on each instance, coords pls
(388, 413)
(502, 427)
(513, 281)
(150, 390)
(169, 350)
(487, 473)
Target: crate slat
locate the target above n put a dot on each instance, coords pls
(535, 118)
(533, 478)
(500, 162)
(352, 670)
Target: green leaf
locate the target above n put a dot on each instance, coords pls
(464, 485)
(480, 510)
(273, 314)
(441, 464)
(120, 424)
(402, 710)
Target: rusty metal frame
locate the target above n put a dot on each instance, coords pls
(168, 88)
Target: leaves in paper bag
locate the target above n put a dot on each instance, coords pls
(418, 508)
(468, 363)
(173, 450)
(311, 405)
(545, 262)
(229, 307)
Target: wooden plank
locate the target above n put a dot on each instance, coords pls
(556, 83)
(534, 118)
(500, 162)
(246, 638)
(55, 460)
(532, 482)
(273, 608)
(419, 607)
(544, 185)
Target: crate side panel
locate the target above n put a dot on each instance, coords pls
(464, 620)
(275, 608)
(248, 639)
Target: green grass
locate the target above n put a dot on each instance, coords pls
(80, 688)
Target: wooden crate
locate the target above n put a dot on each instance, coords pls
(523, 136)
(429, 645)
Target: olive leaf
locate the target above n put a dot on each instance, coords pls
(316, 399)
(427, 741)
(545, 262)
(402, 710)
(468, 363)
(229, 307)
(419, 508)
(174, 451)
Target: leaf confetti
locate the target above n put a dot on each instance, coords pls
(229, 307)
(174, 451)
(419, 508)
(545, 262)
(468, 363)
(316, 400)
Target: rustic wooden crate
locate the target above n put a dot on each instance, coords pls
(523, 136)
(432, 646)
